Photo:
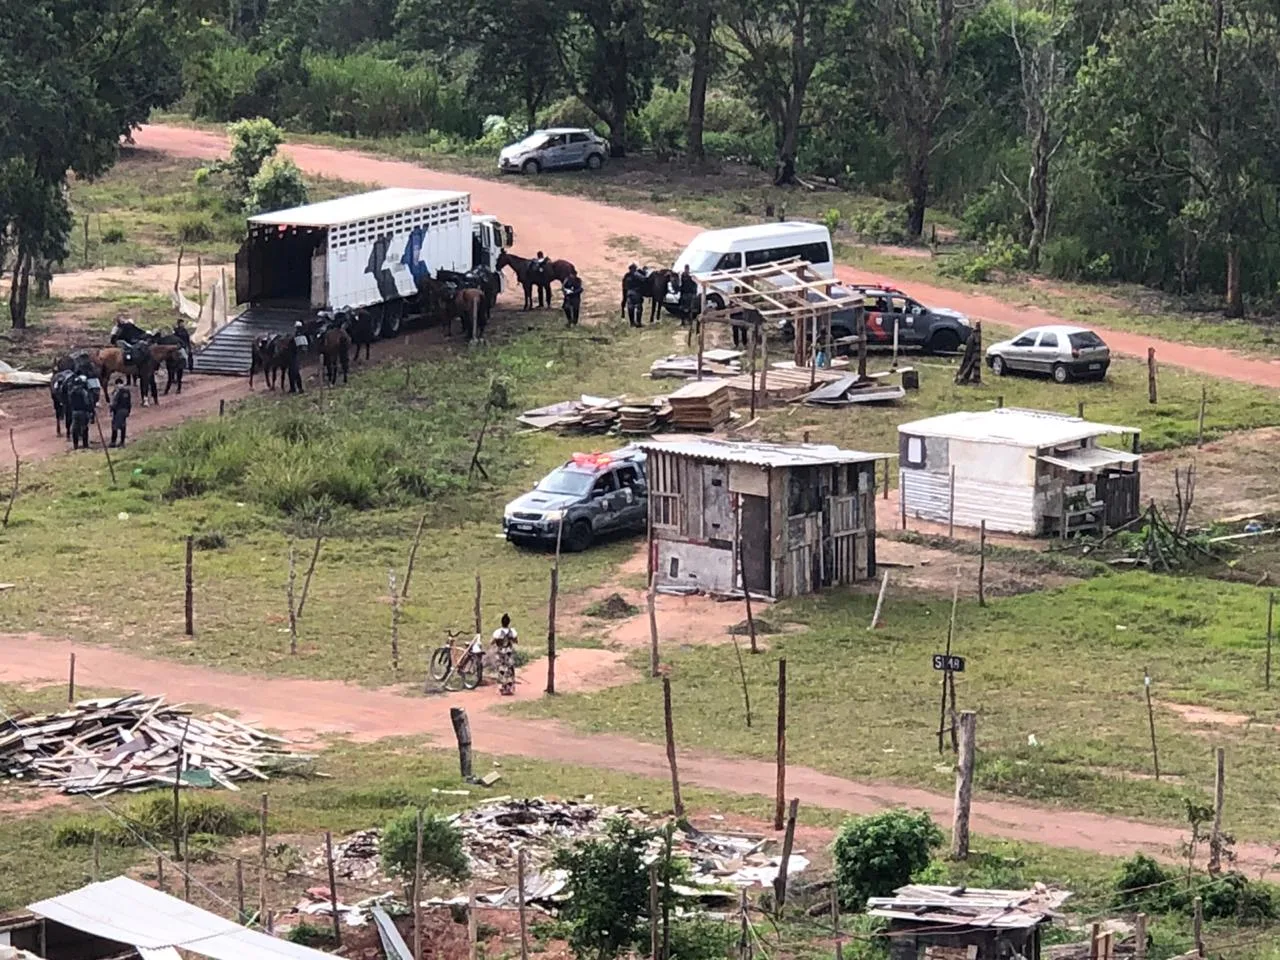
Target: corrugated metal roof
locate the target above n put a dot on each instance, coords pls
(760, 454)
(1089, 459)
(128, 912)
(359, 206)
(1011, 425)
(958, 906)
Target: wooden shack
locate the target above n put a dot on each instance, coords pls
(777, 519)
(957, 923)
(1022, 471)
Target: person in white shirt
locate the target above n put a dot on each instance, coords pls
(505, 640)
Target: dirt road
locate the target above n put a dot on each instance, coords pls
(307, 709)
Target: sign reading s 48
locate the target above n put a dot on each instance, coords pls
(945, 661)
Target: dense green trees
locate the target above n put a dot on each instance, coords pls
(75, 77)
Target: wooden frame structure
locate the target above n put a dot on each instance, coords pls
(781, 290)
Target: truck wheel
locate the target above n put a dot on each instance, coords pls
(391, 320)
(579, 536)
(375, 324)
(715, 301)
(531, 168)
(944, 341)
(594, 161)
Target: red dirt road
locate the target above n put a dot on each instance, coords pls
(306, 708)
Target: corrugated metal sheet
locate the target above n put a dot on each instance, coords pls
(957, 906)
(1028, 428)
(359, 206)
(1007, 508)
(128, 912)
(1088, 459)
(761, 454)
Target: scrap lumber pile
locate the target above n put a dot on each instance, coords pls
(586, 414)
(702, 405)
(644, 417)
(135, 743)
(715, 363)
(849, 390)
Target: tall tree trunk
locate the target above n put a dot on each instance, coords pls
(1235, 299)
(917, 190)
(18, 290)
(1038, 199)
(530, 105)
(698, 84)
(619, 106)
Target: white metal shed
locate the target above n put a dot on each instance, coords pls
(1022, 471)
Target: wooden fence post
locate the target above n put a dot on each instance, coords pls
(473, 926)
(521, 863)
(651, 601)
(97, 857)
(413, 555)
(416, 902)
(1271, 604)
(884, 586)
(333, 887)
(1151, 722)
(951, 506)
(479, 622)
(964, 786)
(17, 465)
(189, 599)
(982, 564)
(71, 681)
(779, 804)
(395, 619)
(462, 731)
(788, 839)
(1197, 925)
(1140, 937)
(262, 862)
(240, 917)
(1204, 400)
(293, 612)
(311, 569)
(551, 632)
(1151, 374)
(1215, 837)
(676, 803)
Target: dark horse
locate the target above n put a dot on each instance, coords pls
(264, 358)
(657, 285)
(471, 307)
(360, 327)
(171, 349)
(528, 276)
(335, 345)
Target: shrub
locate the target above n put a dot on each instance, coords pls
(875, 855)
(113, 235)
(609, 890)
(149, 818)
(310, 935)
(1069, 258)
(194, 228)
(277, 185)
(1001, 254)
(831, 219)
(210, 540)
(442, 853)
(887, 225)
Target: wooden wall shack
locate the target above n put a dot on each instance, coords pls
(781, 520)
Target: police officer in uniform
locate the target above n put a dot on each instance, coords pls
(572, 290)
(633, 295)
(121, 407)
(688, 293)
(295, 358)
(81, 406)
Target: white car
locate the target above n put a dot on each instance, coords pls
(554, 149)
(1062, 352)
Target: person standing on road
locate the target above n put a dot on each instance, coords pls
(295, 358)
(572, 290)
(504, 641)
(81, 407)
(121, 407)
(633, 296)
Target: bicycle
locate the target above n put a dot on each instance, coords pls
(469, 667)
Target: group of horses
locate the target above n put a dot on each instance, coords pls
(134, 353)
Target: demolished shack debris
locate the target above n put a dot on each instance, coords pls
(133, 743)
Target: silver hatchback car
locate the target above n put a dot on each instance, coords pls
(554, 149)
(1064, 353)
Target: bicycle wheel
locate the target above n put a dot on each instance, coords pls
(470, 668)
(441, 664)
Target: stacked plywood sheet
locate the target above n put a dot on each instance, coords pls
(702, 405)
(644, 417)
(135, 743)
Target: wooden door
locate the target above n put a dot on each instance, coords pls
(319, 279)
(717, 508)
(755, 560)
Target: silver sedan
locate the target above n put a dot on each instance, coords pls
(1062, 352)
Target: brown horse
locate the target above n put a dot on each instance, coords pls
(561, 270)
(335, 346)
(471, 307)
(137, 361)
(266, 358)
(528, 276)
(658, 284)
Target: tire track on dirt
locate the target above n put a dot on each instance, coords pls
(310, 710)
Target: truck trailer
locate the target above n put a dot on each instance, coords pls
(367, 250)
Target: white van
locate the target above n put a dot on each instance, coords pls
(740, 247)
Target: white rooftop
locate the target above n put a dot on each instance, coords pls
(760, 454)
(714, 239)
(1013, 426)
(359, 206)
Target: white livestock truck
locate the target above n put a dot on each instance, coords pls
(366, 250)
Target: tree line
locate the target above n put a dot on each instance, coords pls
(1088, 139)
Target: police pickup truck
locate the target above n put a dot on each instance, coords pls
(589, 495)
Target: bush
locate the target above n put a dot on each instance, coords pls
(310, 935)
(442, 853)
(1142, 884)
(113, 235)
(222, 84)
(609, 890)
(210, 540)
(1069, 258)
(194, 228)
(888, 225)
(149, 818)
(278, 185)
(831, 219)
(1001, 254)
(877, 854)
(568, 112)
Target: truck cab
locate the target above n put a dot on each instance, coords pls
(488, 239)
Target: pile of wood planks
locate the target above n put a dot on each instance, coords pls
(702, 405)
(135, 743)
(644, 417)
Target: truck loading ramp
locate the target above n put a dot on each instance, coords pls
(230, 350)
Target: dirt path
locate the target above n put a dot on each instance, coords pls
(307, 709)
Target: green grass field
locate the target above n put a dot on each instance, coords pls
(1063, 666)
